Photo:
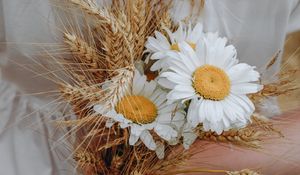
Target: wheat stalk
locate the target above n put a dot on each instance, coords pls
(91, 8)
(87, 56)
(89, 162)
(75, 94)
(244, 137)
(103, 76)
(243, 172)
(250, 136)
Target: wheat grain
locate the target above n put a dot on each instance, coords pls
(244, 137)
(91, 8)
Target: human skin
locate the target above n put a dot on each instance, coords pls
(279, 156)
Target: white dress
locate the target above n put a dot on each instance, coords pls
(256, 27)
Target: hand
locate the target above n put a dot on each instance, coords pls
(279, 155)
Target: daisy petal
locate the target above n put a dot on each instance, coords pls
(187, 50)
(162, 39)
(245, 88)
(136, 129)
(160, 150)
(178, 120)
(179, 95)
(133, 139)
(147, 139)
(158, 55)
(149, 89)
(242, 73)
(138, 83)
(175, 78)
(196, 34)
(165, 132)
(192, 115)
(164, 82)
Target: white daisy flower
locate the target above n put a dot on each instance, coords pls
(145, 109)
(160, 44)
(217, 85)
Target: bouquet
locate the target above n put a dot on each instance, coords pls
(142, 89)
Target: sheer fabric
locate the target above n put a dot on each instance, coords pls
(256, 27)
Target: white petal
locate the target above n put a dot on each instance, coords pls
(187, 50)
(133, 139)
(233, 109)
(162, 39)
(165, 131)
(196, 34)
(179, 95)
(136, 129)
(158, 55)
(109, 123)
(138, 82)
(147, 139)
(218, 112)
(215, 51)
(201, 51)
(159, 64)
(245, 88)
(210, 111)
(164, 82)
(247, 104)
(160, 150)
(185, 88)
(189, 136)
(148, 89)
(218, 127)
(156, 94)
(99, 108)
(177, 62)
(188, 62)
(192, 115)
(178, 120)
(229, 57)
(180, 70)
(242, 73)
(124, 125)
(171, 36)
(179, 35)
(161, 99)
(155, 45)
(176, 78)
(201, 111)
(238, 109)
(167, 108)
(164, 119)
(189, 139)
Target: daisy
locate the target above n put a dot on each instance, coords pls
(217, 85)
(160, 44)
(145, 109)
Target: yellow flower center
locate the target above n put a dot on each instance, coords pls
(137, 109)
(211, 82)
(176, 47)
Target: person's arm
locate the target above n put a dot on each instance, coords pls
(278, 156)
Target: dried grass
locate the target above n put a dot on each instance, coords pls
(248, 137)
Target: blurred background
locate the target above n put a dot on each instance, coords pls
(291, 60)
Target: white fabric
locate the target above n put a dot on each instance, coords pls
(256, 27)
(25, 136)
